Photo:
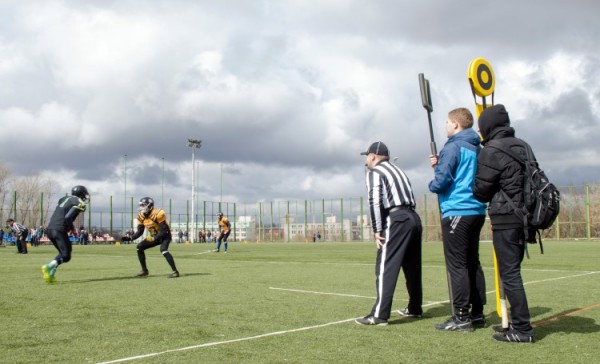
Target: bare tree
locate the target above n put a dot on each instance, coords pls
(4, 191)
(32, 195)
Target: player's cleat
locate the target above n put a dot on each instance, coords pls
(455, 324)
(143, 273)
(175, 274)
(371, 320)
(478, 321)
(404, 312)
(513, 336)
(48, 273)
(216, 251)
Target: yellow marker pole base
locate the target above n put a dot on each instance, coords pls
(117, 243)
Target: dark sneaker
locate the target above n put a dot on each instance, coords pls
(404, 312)
(478, 321)
(216, 251)
(513, 336)
(175, 274)
(143, 273)
(371, 320)
(455, 324)
(500, 329)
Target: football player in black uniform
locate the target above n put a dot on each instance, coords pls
(59, 226)
(155, 221)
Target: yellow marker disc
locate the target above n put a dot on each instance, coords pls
(482, 77)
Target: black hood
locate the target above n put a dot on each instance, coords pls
(492, 118)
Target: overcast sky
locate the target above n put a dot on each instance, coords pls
(284, 94)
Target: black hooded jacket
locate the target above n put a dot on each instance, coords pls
(497, 170)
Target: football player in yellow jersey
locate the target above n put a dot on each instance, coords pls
(155, 221)
(225, 227)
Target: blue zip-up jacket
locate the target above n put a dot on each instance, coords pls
(455, 173)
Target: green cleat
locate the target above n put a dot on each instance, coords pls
(48, 273)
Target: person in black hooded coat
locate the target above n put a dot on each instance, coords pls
(498, 171)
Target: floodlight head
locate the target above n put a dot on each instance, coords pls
(194, 143)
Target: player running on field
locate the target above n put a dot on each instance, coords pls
(155, 221)
(225, 227)
(61, 222)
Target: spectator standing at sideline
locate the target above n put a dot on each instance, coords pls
(496, 172)
(398, 233)
(462, 219)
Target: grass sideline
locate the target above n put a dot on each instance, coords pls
(277, 302)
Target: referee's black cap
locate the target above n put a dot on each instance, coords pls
(377, 148)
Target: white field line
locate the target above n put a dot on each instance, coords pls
(331, 293)
(206, 345)
(283, 332)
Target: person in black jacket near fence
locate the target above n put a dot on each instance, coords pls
(496, 172)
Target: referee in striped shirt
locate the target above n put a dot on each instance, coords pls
(398, 234)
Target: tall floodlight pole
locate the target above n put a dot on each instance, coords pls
(124, 194)
(194, 144)
(162, 185)
(221, 198)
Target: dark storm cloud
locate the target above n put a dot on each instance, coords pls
(283, 94)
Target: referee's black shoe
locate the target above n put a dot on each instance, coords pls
(406, 313)
(371, 320)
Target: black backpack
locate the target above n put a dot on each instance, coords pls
(541, 197)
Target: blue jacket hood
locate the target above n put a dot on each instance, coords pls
(467, 136)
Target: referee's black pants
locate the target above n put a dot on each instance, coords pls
(21, 243)
(402, 249)
(460, 235)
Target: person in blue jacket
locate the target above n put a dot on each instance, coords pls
(462, 219)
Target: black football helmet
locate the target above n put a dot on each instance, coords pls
(220, 215)
(146, 205)
(81, 192)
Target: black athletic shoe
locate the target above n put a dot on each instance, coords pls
(175, 274)
(371, 320)
(513, 336)
(478, 321)
(143, 273)
(455, 324)
(404, 312)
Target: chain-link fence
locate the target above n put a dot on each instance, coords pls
(342, 219)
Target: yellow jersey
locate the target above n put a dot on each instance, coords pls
(224, 224)
(153, 220)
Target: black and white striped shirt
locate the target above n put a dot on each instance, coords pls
(387, 187)
(18, 229)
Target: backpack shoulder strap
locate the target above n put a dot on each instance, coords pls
(505, 148)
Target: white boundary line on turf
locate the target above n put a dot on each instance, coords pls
(206, 252)
(226, 341)
(331, 293)
(559, 278)
(321, 293)
(276, 333)
(206, 345)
